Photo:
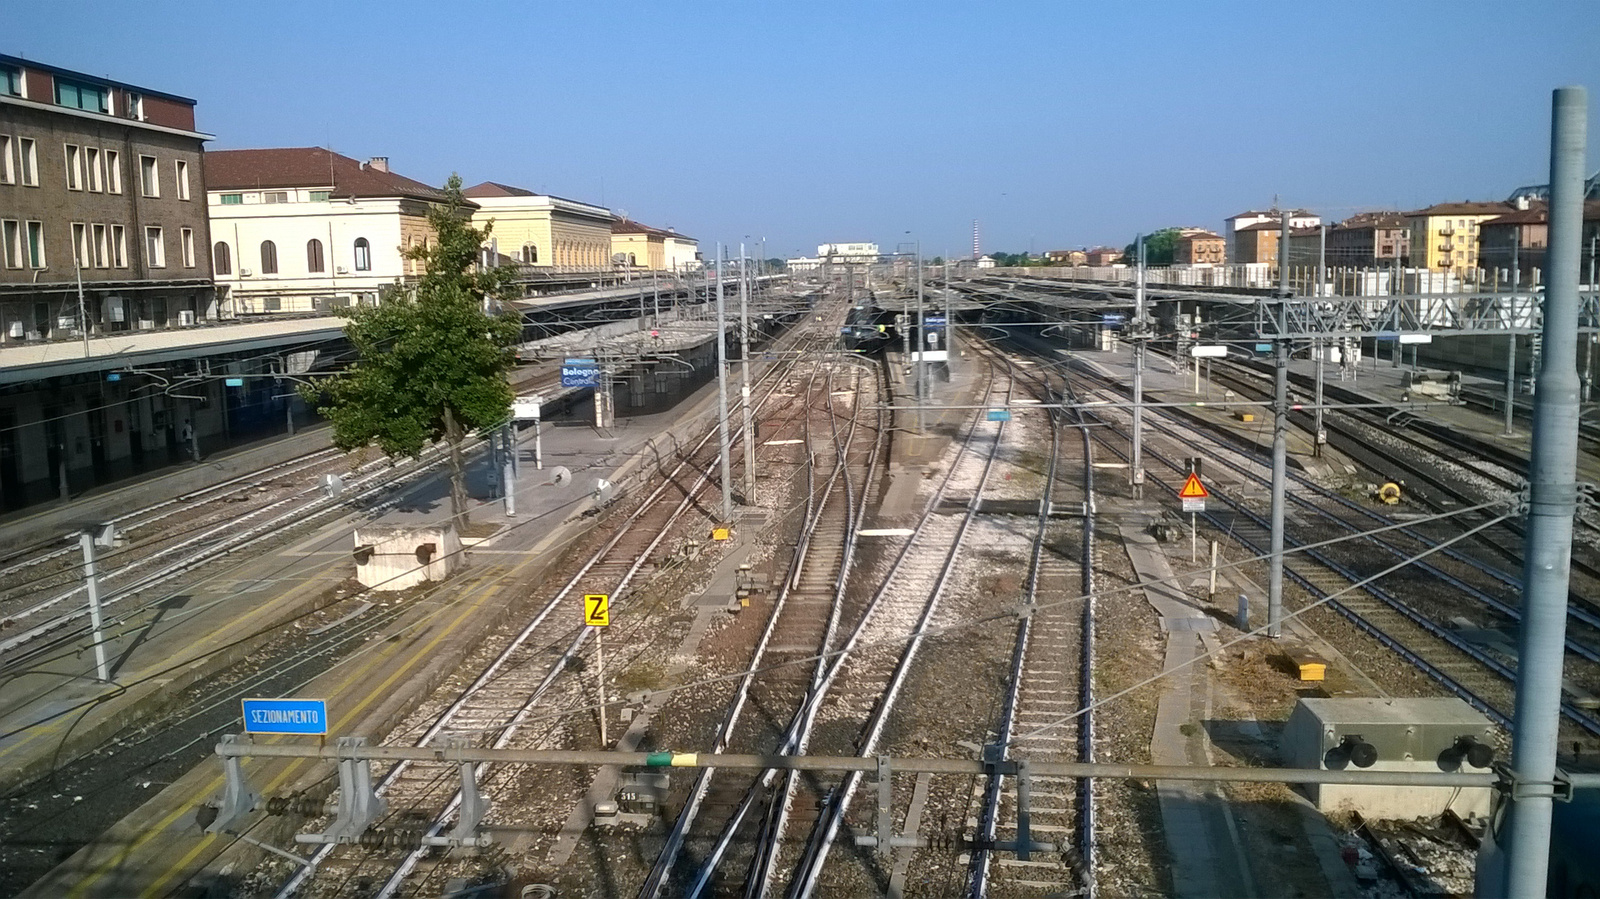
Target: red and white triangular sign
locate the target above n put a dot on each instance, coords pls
(1193, 489)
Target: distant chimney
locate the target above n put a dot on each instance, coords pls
(381, 163)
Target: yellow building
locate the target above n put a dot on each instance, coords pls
(1444, 237)
(641, 246)
(544, 231)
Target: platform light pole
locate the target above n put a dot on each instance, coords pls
(922, 349)
(747, 427)
(722, 394)
(1547, 541)
(1137, 333)
(1280, 435)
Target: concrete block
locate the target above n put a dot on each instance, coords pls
(1421, 735)
(398, 558)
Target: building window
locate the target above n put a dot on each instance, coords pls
(82, 96)
(91, 164)
(10, 81)
(35, 247)
(222, 259)
(271, 304)
(113, 172)
(8, 169)
(186, 237)
(99, 246)
(80, 245)
(275, 196)
(269, 258)
(155, 248)
(232, 199)
(135, 108)
(321, 196)
(74, 167)
(119, 247)
(363, 255)
(149, 177)
(11, 237)
(180, 177)
(314, 256)
(28, 156)
(530, 254)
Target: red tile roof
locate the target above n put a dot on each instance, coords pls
(1469, 208)
(313, 167)
(628, 226)
(496, 189)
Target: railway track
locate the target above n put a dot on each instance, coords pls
(1049, 677)
(1465, 669)
(873, 663)
(510, 701)
(725, 813)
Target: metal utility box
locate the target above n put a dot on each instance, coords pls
(1390, 735)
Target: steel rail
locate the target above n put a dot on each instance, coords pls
(827, 825)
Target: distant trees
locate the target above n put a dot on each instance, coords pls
(1159, 248)
(431, 361)
(1012, 260)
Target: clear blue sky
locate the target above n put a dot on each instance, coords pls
(1054, 124)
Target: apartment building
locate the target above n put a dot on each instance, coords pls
(541, 231)
(1233, 224)
(1369, 240)
(304, 229)
(1197, 246)
(100, 182)
(1256, 243)
(1444, 237)
(1100, 256)
(1519, 239)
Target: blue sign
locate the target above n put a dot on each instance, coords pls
(1263, 347)
(234, 382)
(999, 414)
(285, 716)
(580, 373)
(936, 321)
(114, 376)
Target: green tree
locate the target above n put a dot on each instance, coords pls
(1159, 248)
(431, 362)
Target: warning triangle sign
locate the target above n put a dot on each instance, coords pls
(1193, 489)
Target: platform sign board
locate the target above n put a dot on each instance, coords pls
(1215, 351)
(999, 414)
(1193, 494)
(285, 716)
(597, 610)
(526, 408)
(233, 382)
(580, 373)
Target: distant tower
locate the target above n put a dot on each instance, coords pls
(975, 240)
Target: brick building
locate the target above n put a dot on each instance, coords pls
(1197, 246)
(105, 181)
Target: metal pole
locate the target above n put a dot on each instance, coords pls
(1136, 457)
(722, 393)
(1547, 543)
(1320, 436)
(1511, 326)
(1322, 259)
(538, 446)
(83, 310)
(600, 680)
(1280, 440)
(949, 323)
(747, 425)
(91, 583)
(508, 473)
(922, 346)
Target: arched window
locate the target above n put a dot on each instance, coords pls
(530, 253)
(363, 255)
(314, 256)
(222, 259)
(269, 258)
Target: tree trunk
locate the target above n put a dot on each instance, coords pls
(458, 477)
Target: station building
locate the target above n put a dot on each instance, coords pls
(304, 229)
(542, 232)
(640, 246)
(100, 183)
